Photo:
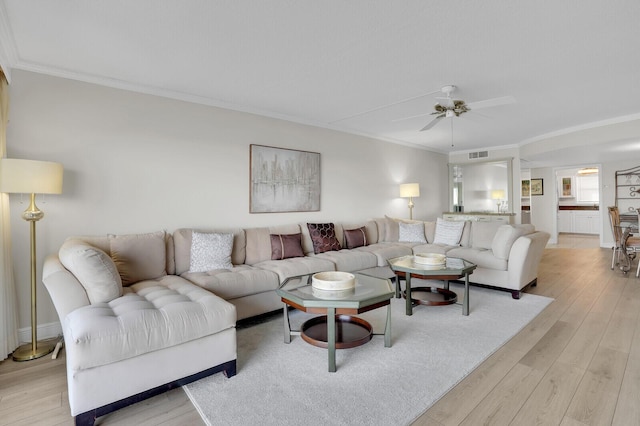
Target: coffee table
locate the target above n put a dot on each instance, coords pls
(338, 328)
(453, 269)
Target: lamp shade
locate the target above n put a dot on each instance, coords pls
(30, 176)
(409, 190)
(497, 194)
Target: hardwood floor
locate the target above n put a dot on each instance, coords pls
(577, 363)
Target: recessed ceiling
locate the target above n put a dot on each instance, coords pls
(359, 66)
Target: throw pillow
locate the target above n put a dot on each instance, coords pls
(93, 268)
(139, 257)
(285, 246)
(448, 232)
(210, 251)
(323, 237)
(411, 233)
(355, 237)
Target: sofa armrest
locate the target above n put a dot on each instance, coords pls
(525, 256)
(65, 290)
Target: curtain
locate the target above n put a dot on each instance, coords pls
(8, 300)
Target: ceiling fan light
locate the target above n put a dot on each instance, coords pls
(450, 113)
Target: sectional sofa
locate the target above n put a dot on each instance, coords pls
(131, 305)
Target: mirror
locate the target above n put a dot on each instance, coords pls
(481, 187)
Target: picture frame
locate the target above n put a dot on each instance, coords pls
(537, 187)
(526, 188)
(283, 180)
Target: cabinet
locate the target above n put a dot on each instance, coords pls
(506, 218)
(565, 221)
(579, 221)
(566, 187)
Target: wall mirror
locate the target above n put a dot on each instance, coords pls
(481, 187)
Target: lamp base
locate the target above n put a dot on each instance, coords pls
(26, 352)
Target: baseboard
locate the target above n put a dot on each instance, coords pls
(45, 331)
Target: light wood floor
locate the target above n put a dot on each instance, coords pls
(577, 363)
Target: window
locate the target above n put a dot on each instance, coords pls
(588, 189)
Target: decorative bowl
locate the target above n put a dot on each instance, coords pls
(431, 259)
(333, 280)
(332, 294)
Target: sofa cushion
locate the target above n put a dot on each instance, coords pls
(285, 246)
(240, 281)
(355, 237)
(323, 236)
(149, 316)
(210, 251)
(296, 266)
(386, 251)
(481, 257)
(259, 241)
(411, 232)
(505, 237)
(93, 268)
(139, 256)
(350, 260)
(482, 234)
(448, 232)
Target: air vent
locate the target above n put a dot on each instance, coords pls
(479, 154)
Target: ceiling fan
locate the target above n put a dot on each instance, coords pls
(449, 107)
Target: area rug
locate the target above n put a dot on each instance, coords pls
(432, 350)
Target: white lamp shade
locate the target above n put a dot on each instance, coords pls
(409, 190)
(30, 176)
(497, 194)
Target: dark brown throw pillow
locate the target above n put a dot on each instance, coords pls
(323, 236)
(284, 246)
(355, 238)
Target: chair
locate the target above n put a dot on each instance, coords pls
(638, 270)
(632, 244)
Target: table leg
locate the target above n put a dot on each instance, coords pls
(465, 303)
(331, 338)
(446, 284)
(287, 325)
(408, 293)
(387, 328)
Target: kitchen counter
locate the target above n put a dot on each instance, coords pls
(592, 208)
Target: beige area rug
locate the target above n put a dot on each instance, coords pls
(432, 350)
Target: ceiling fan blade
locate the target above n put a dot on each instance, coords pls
(432, 123)
(413, 116)
(382, 107)
(489, 103)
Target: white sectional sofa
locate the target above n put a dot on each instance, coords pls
(131, 305)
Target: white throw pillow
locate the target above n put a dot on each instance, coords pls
(448, 232)
(412, 233)
(210, 251)
(93, 268)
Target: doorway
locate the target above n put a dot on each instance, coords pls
(578, 202)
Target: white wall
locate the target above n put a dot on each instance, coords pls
(139, 163)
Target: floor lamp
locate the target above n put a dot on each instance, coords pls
(410, 190)
(31, 177)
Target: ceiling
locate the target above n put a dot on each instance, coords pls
(357, 66)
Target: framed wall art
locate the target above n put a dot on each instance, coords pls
(537, 188)
(283, 180)
(526, 188)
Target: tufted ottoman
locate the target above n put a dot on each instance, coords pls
(159, 334)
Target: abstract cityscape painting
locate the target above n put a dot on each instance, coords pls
(283, 180)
